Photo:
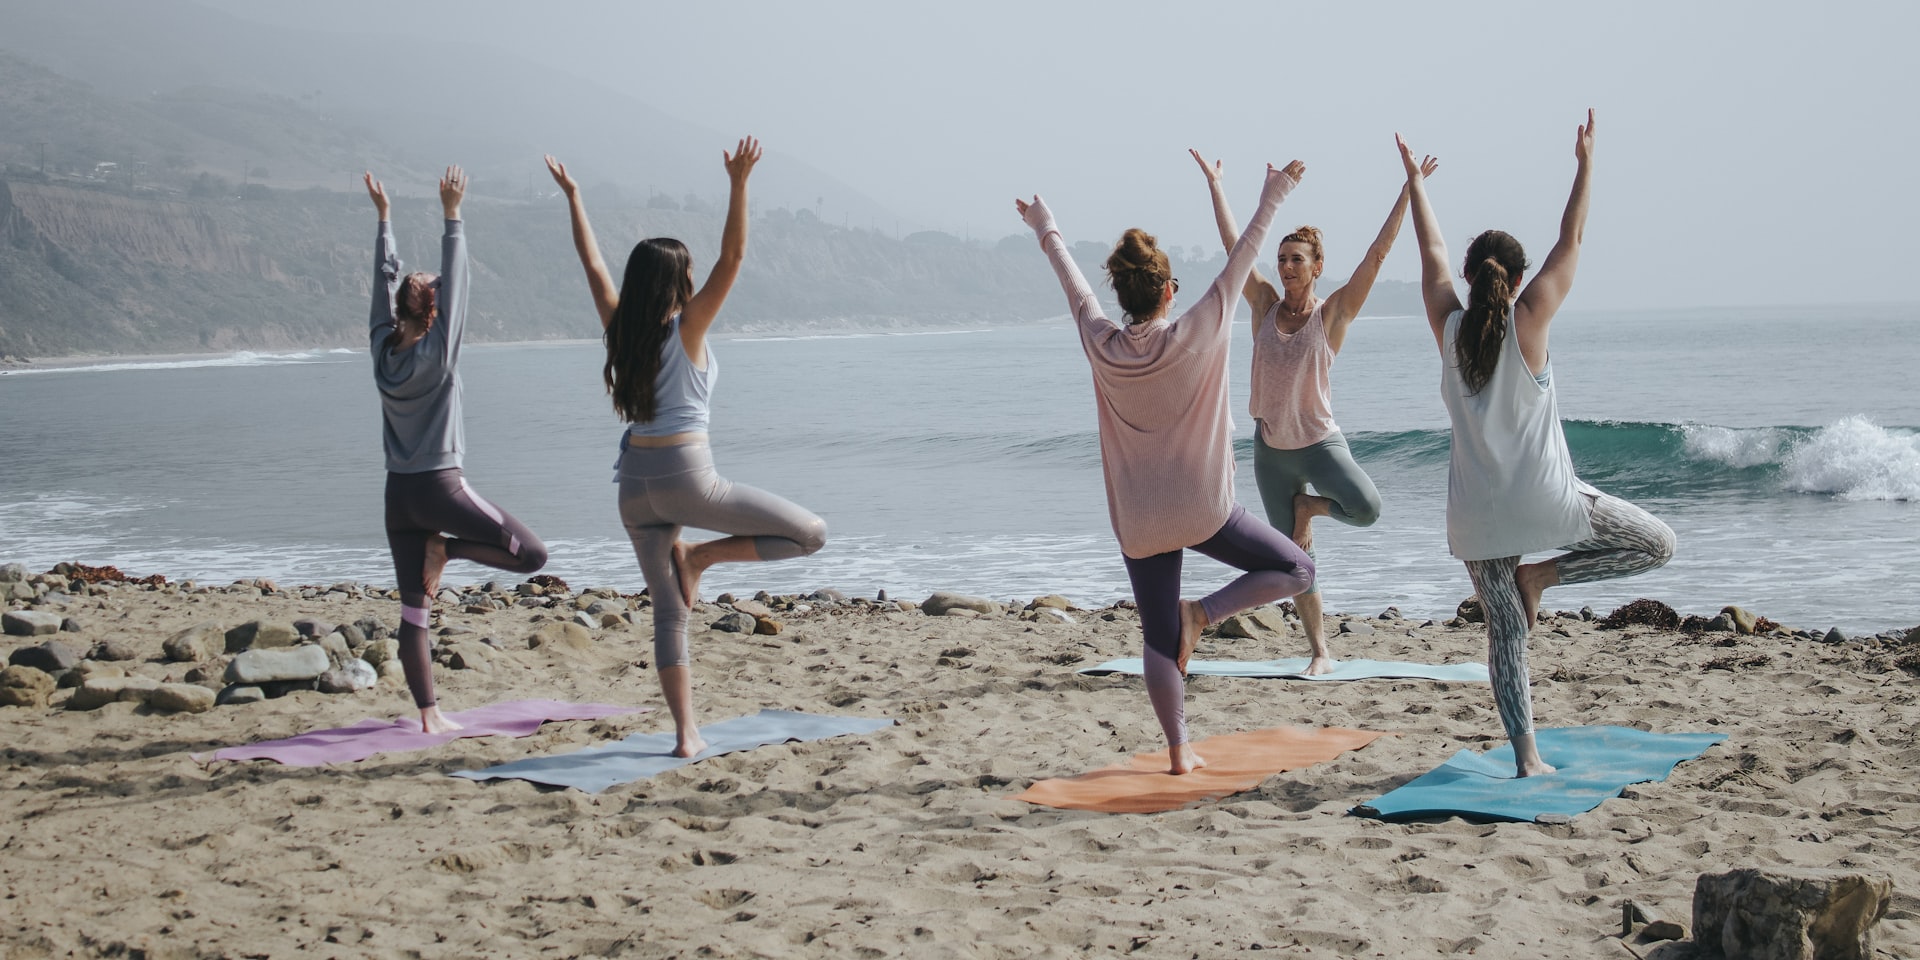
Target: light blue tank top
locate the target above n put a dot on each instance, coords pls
(680, 390)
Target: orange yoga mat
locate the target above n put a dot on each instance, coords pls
(1235, 762)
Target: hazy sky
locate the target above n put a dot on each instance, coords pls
(1750, 152)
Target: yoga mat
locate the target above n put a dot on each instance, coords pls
(1293, 668)
(1595, 763)
(515, 718)
(1235, 762)
(643, 755)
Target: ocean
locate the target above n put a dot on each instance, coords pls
(1782, 445)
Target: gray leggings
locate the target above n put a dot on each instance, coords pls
(665, 488)
(1626, 541)
(1329, 466)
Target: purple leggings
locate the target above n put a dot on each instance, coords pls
(1276, 569)
(420, 505)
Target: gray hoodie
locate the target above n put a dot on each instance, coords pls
(420, 386)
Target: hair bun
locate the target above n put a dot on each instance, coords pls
(1138, 270)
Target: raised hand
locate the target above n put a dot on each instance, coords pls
(1213, 172)
(453, 186)
(1294, 169)
(1428, 165)
(740, 162)
(561, 177)
(1583, 140)
(1414, 168)
(1034, 213)
(378, 192)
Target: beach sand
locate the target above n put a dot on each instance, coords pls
(904, 842)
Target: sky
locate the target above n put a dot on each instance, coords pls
(1747, 153)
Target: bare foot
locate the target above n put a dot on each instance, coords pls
(688, 577)
(433, 721)
(1320, 665)
(1306, 506)
(690, 744)
(1193, 619)
(1533, 579)
(1538, 768)
(436, 564)
(1184, 760)
(1526, 758)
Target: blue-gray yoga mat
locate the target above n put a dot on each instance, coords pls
(1294, 668)
(1595, 764)
(643, 755)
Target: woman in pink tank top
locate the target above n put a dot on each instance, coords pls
(1296, 335)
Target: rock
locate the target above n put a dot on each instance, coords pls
(181, 698)
(258, 667)
(768, 627)
(1240, 627)
(530, 590)
(1390, 613)
(100, 691)
(25, 687)
(353, 676)
(240, 694)
(13, 573)
(1783, 913)
(195, 643)
(941, 602)
(280, 688)
(455, 630)
(338, 653)
(1052, 600)
(963, 613)
(1743, 621)
(352, 635)
(261, 634)
(90, 669)
(880, 596)
(1356, 627)
(380, 651)
(584, 619)
(1632, 914)
(371, 628)
(113, 651)
(561, 634)
(1834, 636)
(1721, 623)
(599, 607)
(1469, 610)
(1664, 930)
(1052, 615)
(310, 629)
(736, 622)
(207, 674)
(609, 621)
(469, 655)
(70, 625)
(51, 657)
(827, 593)
(392, 672)
(753, 608)
(1586, 613)
(29, 623)
(724, 598)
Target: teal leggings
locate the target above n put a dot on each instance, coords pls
(1329, 467)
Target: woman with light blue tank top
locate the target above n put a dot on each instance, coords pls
(1296, 443)
(1511, 488)
(660, 372)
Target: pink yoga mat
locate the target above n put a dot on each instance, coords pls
(515, 718)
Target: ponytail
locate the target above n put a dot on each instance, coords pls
(1494, 261)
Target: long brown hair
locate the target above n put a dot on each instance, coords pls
(1138, 270)
(658, 282)
(1494, 261)
(415, 304)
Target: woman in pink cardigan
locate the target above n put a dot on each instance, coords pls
(1166, 445)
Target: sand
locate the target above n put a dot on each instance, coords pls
(904, 842)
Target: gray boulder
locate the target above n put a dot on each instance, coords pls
(195, 643)
(355, 675)
(1834, 636)
(181, 698)
(736, 622)
(255, 667)
(371, 628)
(942, 601)
(1783, 913)
(338, 652)
(311, 629)
(350, 633)
(29, 623)
(51, 657)
(240, 694)
(261, 634)
(13, 573)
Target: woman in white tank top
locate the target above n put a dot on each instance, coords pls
(1296, 336)
(1511, 488)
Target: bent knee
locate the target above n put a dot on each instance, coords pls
(532, 556)
(1363, 514)
(811, 536)
(1663, 545)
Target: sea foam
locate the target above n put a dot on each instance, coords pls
(1855, 459)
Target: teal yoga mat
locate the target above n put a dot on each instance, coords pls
(1595, 764)
(1293, 668)
(643, 755)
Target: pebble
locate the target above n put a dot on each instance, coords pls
(181, 698)
(943, 602)
(736, 622)
(261, 633)
(70, 625)
(352, 635)
(753, 608)
(30, 623)
(561, 634)
(585, 619)
(303, 663)
(1052, 600)
(1390, 613)
(1356, 627)
(1834, 636)
(50, 657)
(468, 655)
(240, 693)
(310, 629)
(827, 594)
(12, 573)
(355, 675)
(100, 691)
(371, 628)
(113, 651)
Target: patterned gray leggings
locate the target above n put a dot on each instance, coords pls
(1626, 541)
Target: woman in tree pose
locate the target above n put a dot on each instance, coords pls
(1166, 445)
(1511, 489)
(660, 373)
(1296, 335)
(414, 333)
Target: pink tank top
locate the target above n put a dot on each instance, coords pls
(1292, 396)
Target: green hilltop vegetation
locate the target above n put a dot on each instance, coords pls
(123, 230)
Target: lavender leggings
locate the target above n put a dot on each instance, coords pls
(420, 505)
(1276, 569)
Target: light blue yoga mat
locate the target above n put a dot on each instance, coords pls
(643, 755)
(1294, 668)
(1595, 764)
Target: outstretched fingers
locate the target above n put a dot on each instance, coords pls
(1406, 157)
(745, 154)
(375, 190)
(1294, 169)
(1213, 170)
(559, 172)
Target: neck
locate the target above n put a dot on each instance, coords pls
(1298, 301)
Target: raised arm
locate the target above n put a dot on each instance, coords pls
(605, 296)
(1542, 297)
(1260, 294)
(1345, 303)
(699, 313)
(1436, 285)
(386, 265)
(1081, 301)
(1215, 308)
(453, 260)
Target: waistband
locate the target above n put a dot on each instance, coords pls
(642, 461)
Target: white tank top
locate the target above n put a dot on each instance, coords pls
(680, 390)
(1511, 489)
(1292, 396)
